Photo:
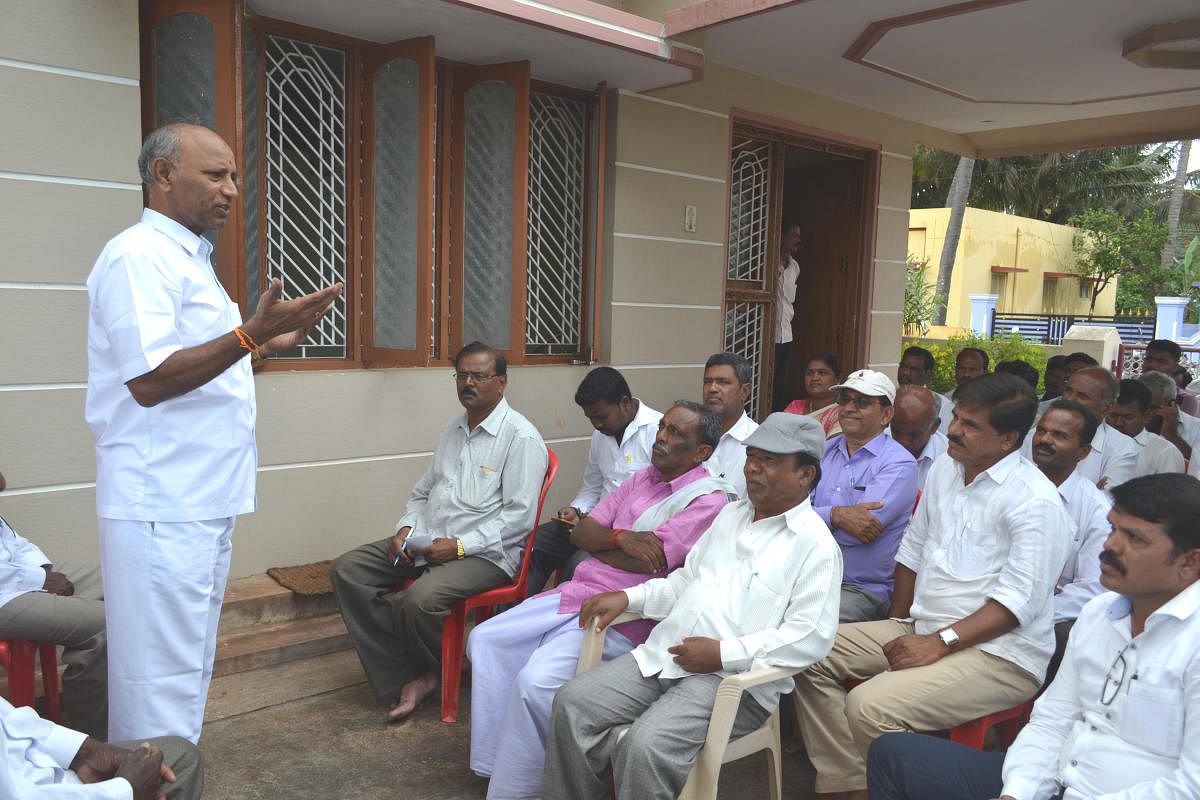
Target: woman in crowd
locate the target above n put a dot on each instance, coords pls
(820, 375)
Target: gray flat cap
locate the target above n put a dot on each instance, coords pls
(789, 433)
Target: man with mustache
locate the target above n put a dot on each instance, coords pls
(1119, 720)
(170, 400)
(971, 627)
(1061, 439)
(472, 509)
(760, 588)
(620, 446)
(1113, 457)
(642, 530)
(728, 381)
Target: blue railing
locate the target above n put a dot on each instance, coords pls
(1051, 328)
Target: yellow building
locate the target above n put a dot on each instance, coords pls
(1027, 263)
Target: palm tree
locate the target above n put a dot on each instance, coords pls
(1175, 207)
(956, 198)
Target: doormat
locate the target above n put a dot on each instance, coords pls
(306, 579)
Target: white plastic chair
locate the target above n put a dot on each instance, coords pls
(717, 750)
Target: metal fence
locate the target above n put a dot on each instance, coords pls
(1051, 328)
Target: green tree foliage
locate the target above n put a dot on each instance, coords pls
(1111, 245)
(1005, 347)
(921, 304)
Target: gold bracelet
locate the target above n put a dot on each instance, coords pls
(462, 552)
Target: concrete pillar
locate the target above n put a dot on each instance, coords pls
(983, 308)
(1169, 321)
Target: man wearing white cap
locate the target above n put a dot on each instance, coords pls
(760, 589)
(866, 493)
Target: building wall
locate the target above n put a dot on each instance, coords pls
(991, 239)
(340, 450)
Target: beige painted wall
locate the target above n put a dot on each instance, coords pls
(339, 450)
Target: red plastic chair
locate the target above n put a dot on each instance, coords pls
(453, 634)
(1008, 724)
(16, 657)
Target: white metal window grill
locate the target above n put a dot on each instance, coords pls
(744, 335)
(749, 217)
(555, 277)
(305, 176)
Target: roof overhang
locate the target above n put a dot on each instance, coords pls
(1007, 76)
(574, 42)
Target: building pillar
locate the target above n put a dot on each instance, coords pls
(1169, 320)
(983, 308)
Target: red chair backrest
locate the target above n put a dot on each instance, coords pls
(551, 471)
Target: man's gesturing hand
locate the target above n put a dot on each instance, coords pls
(645, 547)
(396, 552)
(280, 324)
(607, 605)
(697, 654)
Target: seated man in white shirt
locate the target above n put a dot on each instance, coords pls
(1113, 457)
(1119, 720)
(972, 617)
(915, 425)
(61, 603)
(472, 511)
(728, 381)
(620, 446)
(761, 588)
(1061, 440)
(1165, 419)
(1128, 415)
(916, 369)
(44, 760)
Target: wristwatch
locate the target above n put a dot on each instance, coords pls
(948, 637)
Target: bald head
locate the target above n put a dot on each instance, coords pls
(1094, 388)
(915, 418)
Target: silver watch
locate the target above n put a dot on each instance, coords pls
(949, 637)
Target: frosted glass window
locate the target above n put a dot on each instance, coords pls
(489, 134)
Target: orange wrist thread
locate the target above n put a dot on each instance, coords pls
(613, 539)
(247, 342)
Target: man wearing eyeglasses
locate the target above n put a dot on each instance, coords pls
(971, 627)
(461, 534)
(866, 493)
(1119, 720)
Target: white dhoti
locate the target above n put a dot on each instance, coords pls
(518, 661)
(163, 587)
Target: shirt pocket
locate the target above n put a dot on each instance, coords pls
(972, 555)
(762, 601)
(1153, 717)
(481, 487)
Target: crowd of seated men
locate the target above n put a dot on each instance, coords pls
(917, 560)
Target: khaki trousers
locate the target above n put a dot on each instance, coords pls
(838, 728)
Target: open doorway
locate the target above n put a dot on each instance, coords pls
(824, 186)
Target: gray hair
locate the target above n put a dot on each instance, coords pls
(164, 142)
(708, 427)
(1159, 384)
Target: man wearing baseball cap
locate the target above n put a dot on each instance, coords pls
(759, 589)
(866, 493)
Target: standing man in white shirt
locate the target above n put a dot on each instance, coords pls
(170, 400)
(786, 276)
(1061, 440)
(621, 445)
(915, 425)
(761, 588)
(728, 381)
(472, 511)
(1119, 720)
(972, 617)
(1113, 457)
(1128, 415)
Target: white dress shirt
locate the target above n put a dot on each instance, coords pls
(482, 486)
(934, 449)
(1003, 537)
(769, 591)
(785, 300)
(37, 755)
(945, 412)
(611, 462)
(152, 293)
(1134, 747)
(729, 457)
(21, 564)
(1088, 508)
(1113, 456)
(1156, 455)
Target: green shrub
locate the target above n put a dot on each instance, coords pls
(1006, 347)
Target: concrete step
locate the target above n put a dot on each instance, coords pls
(243, 692)
(279, 642)
(259, 600)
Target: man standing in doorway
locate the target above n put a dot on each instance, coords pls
(170, 400)
(785, 308)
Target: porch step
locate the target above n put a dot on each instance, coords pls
(259, 600)
(248, 691)
(279, 642)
